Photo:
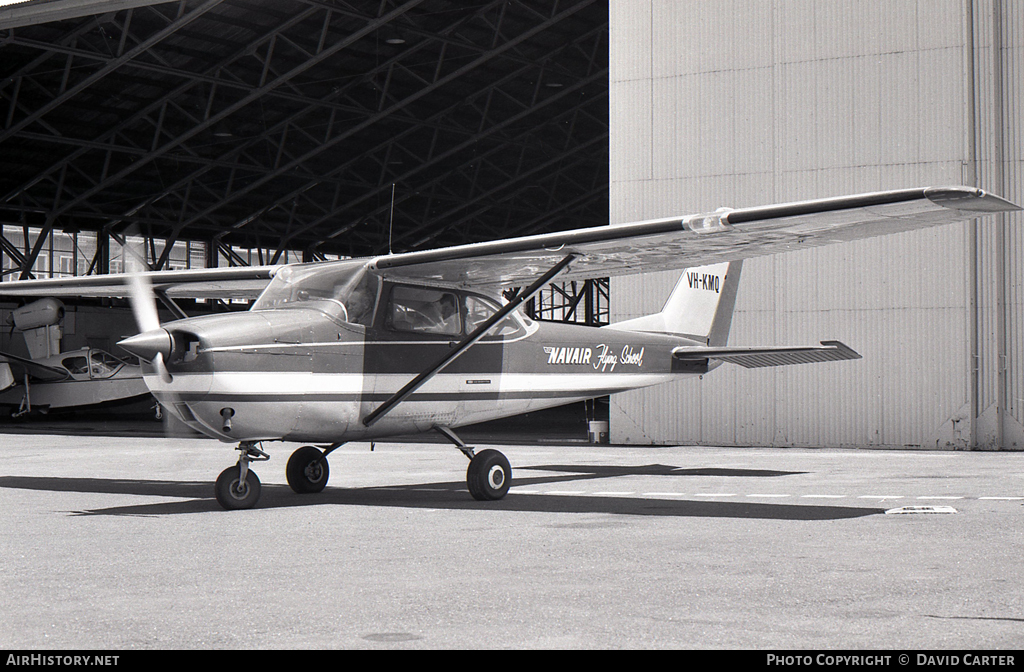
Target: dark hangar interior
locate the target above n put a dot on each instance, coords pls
(298, 129)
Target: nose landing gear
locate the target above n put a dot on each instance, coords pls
(237, 487)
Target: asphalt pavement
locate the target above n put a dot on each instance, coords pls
(116, 542)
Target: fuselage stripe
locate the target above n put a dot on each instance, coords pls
(305, 384)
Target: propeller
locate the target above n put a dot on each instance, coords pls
(152, 343)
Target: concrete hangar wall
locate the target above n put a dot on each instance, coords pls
(749, 102)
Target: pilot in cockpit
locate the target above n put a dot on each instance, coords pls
(449, 308)
(358, 301)
(360, 306)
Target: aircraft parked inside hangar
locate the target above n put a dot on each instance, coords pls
(51, 380)
(367, 348)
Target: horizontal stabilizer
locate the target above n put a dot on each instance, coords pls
(753, 357)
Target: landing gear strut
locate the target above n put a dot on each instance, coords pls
(237, 487)
(489, 474)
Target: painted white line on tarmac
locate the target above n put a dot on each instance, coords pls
(633, 493)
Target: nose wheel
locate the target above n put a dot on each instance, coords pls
(238, 487)
(235, 491)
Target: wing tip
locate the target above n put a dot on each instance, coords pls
(969, 199)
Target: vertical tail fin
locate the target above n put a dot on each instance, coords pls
(700, 306)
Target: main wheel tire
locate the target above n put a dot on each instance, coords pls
(307, 470)
(233, 493)
(489, 475)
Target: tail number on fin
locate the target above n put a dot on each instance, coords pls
(705, 281)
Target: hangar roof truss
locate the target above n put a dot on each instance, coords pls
(290, 124)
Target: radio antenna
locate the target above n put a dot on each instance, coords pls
(391, 223)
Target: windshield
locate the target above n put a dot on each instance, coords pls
(344, 289)
(98, 364)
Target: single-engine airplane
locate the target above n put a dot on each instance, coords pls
(51, 380)
(366, 348)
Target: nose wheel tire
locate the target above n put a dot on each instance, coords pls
(489, 475)
(233, 492)
(307, 470)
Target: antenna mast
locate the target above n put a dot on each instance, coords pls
(391, 223)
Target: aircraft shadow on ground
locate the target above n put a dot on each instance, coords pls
(198, 497)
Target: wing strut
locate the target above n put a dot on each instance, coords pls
(463, 345)
(169, 303)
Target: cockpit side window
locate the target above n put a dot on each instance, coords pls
(103, 364)
(478, 310)
(424, 311)
(76, 364)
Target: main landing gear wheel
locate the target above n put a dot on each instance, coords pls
(489, 475)
(234, 492)
(307, 470)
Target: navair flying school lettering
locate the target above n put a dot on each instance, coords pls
(600, 358)
(705, 281)
(568, 355)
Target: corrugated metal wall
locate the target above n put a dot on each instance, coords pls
(762, 101)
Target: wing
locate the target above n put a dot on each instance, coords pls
(36, 371)
(695, 240)
(661, 244)
(752, 358)
(236, 282)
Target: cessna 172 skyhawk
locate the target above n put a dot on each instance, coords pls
(366, 348)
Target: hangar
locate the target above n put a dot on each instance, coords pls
(233, 132)
(741, 103)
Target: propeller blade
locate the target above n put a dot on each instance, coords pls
(152, 343)
(147, 319)
(143, 303)
(161, 368)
